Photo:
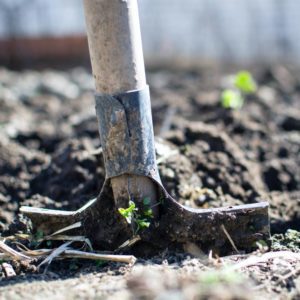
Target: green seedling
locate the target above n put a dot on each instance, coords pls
(132, 215)
(148, 213)
(127, 213)
(142, 224)
(232, 99)
(244, 84)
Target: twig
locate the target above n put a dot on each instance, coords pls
(230, 239)
(130, 242)
(17, 236)
(69, 253)
(76, 238)
(40, 253)
(130, 259)
(67, 228)
(12, 253)
(28, 210)
(55, 253)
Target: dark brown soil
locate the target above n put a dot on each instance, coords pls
(208, 156)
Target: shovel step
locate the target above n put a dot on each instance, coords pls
(222, 229)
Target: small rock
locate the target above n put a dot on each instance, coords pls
(8, 270)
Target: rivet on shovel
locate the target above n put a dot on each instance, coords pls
(126, 131)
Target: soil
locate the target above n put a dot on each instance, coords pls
(208, 156)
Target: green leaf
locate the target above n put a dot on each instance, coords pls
(142, 223)
(232, 99)
(245, 82)
(148, 213)
(128, 212)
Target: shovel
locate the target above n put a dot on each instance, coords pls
(125, 124)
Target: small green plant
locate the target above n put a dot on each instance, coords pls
(147, 211)
(141, 220)
(141, 224)
(232, 99)
(243, 84)
(128, 212)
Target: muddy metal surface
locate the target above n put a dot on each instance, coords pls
(208, 157)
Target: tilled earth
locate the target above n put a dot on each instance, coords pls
(208, 156)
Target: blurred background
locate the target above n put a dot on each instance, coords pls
(42, 32)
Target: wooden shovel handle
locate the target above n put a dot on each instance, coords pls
(115, 46)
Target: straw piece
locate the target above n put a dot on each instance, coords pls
(55, 254)
(69, 253)
(76, 238)
(130, 242)
(130, 259)
(67, 228)
(13, 254)
(230, 239)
